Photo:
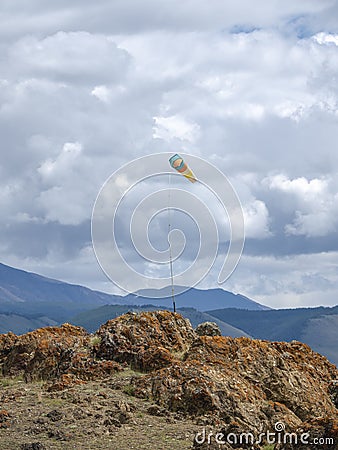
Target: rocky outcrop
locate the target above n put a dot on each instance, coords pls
(234, 384)
(249, 382)
(49, 353)
(147, 341)
(255, 383)
(288, 373)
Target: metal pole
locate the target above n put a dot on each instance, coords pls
(172, 280)
(170, 255)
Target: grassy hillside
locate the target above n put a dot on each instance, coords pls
(321, 334)
(20, 324)
(281, 324)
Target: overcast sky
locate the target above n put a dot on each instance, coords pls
(251, 85)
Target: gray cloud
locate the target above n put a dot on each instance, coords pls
(86, 87)
(78, 57)
(126, 16)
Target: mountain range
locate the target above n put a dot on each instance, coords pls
(34, 296)
(29, 301)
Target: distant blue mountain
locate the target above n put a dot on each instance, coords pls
(200, 299)
(31, 295)
(28, 301)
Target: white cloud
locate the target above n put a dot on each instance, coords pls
(102, 93)
(64, 165)
(291, 281)
(256, 218)
(88, 87)
(63, 205)
(66, 195)
(246, 76)
(70, 56)
(318, 223)
(326, 38)
(314, 204)
(168, 128)
(303, 189)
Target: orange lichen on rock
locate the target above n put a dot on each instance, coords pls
(252, 383)
(147, 341)
(43, 353)
(259, 382)
(52, 352)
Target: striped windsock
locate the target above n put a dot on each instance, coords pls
(178, 164)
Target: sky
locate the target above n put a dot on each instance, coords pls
(251, 86)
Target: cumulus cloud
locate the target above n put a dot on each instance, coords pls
(73, 56)
(289, 281)
(314, 204)
(256, 217)
(252, 88)
(171, 127)
(326, 38)
(63, 166)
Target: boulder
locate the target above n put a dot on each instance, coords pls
(208, 329)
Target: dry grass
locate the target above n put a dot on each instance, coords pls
(84, 424)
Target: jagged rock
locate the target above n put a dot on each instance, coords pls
(235, 384)
(334, 392)
(181, 387)
(51, 352)
(63, 382)
(112, 421)
(86, 368)
(256, 383)
(147, 341)
(42, 354)
(121, 413)
(288, 373)
(318, 434)
(6, 342)
(208, 329)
